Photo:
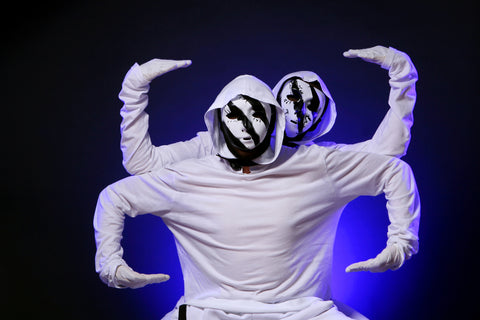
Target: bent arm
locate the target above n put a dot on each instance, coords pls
(139, 154)
(392, 137)
(131, 196)
(359, 173)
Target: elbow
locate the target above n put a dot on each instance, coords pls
(109, 213)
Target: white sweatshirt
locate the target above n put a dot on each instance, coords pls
(258, 242)
(391, 138)
(265, 237)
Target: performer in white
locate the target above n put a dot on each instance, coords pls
(301, 95)
(255, 225)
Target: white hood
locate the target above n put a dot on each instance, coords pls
(330, 114)
(256, 89)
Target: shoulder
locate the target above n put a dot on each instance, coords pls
(195, 165)
(314, 150)
(305, 157)
(205, 139)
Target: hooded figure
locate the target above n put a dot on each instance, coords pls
(256, 243)
(317, 111)
(252, 89)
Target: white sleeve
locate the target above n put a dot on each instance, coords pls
(393, 134)
(139, 155)
(359, 173)
(131, 196)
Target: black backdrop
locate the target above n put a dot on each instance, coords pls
(65, 63)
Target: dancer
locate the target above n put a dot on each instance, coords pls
(255, 225)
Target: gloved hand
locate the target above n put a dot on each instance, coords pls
(157, 67)
(392, 257)
(375, 54)
(128, 278)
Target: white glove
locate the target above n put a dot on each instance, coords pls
(375, 54)
(157, 67)
(392, 257)
(126, 277)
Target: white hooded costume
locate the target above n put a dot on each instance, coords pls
(391, 138)
(257, 244)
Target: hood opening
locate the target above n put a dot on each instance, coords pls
(267, 151)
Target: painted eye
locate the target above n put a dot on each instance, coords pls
(258, 114)
(293, 98)
(296, 95)
(232, 115)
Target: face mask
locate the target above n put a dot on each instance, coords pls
(245, 122)
(303, 106)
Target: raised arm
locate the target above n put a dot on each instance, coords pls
(392, 137)
(360, 173)
(131, 196)
(139, 155)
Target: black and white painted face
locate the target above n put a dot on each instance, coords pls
(302, 104)
(247, 121)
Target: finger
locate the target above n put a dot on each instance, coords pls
(157, 67)
(141, 280)
(376, 265)
(358, 266)
(368, 55)
(352, 53)
(184, 63)
(365, 54)
(157, 278)
(170, 65)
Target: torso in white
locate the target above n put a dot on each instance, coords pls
(266, 237)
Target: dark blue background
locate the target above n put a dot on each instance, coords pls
(65, 63)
